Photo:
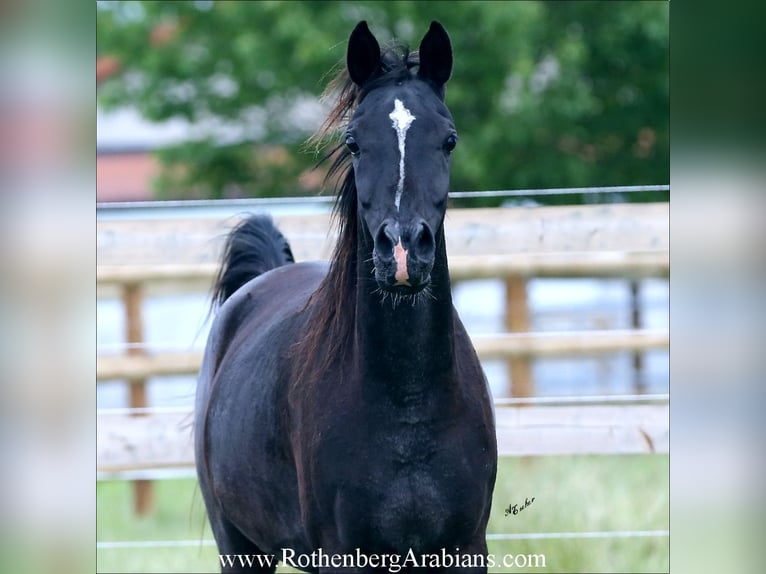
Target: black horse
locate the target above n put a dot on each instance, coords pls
(342, 410)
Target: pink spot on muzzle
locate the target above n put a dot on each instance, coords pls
(400, 255)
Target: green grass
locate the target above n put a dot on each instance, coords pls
(579, 493)
(178, 514)
(572, 494)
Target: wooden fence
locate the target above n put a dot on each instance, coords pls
(515, 244)
(128, 442)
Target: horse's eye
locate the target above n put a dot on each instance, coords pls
(450, 143)
(351, 145)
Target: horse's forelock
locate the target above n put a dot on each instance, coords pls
(396, 64)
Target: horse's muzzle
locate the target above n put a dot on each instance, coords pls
(403, 256)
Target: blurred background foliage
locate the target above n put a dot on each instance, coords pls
(544, 94)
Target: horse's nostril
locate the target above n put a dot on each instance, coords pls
(423, 241)
(385, 240)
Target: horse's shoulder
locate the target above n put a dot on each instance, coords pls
(292, 281)
(266, 299)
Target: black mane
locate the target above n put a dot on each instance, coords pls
(332, 305)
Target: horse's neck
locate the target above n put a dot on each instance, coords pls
(405, 346)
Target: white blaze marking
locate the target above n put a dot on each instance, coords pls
(400, 255)
(401, 118)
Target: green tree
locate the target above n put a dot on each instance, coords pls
(544, 94)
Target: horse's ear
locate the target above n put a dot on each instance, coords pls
(435, 55)
(363, 56)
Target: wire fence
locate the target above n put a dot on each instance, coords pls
(559, 191)
(565, 535)
(107, 207)
(607, 534)
(552, 400)
(160, 207)
(586, 399)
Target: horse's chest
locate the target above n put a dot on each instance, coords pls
(408, 490)
(406, 479)
(412, 508)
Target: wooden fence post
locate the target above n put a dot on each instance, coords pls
(134, 334)
(635, 319)
(517, 321)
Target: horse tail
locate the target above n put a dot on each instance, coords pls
(252, 248)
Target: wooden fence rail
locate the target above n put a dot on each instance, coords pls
(503, 346)
(573, 264)
(625, 228)
(164, 439)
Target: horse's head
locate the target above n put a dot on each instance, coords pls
(400, 137)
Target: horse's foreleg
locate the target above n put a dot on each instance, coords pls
(236, 552)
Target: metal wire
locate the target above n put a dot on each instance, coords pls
(239, 202)
(115, 348)
(564, 535)
(653, 398)
(153, 544)
(326, 199)
(559, 191)
(508, 536)
(563, 400)
(146, 411)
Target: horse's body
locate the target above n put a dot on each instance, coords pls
(343, 407)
